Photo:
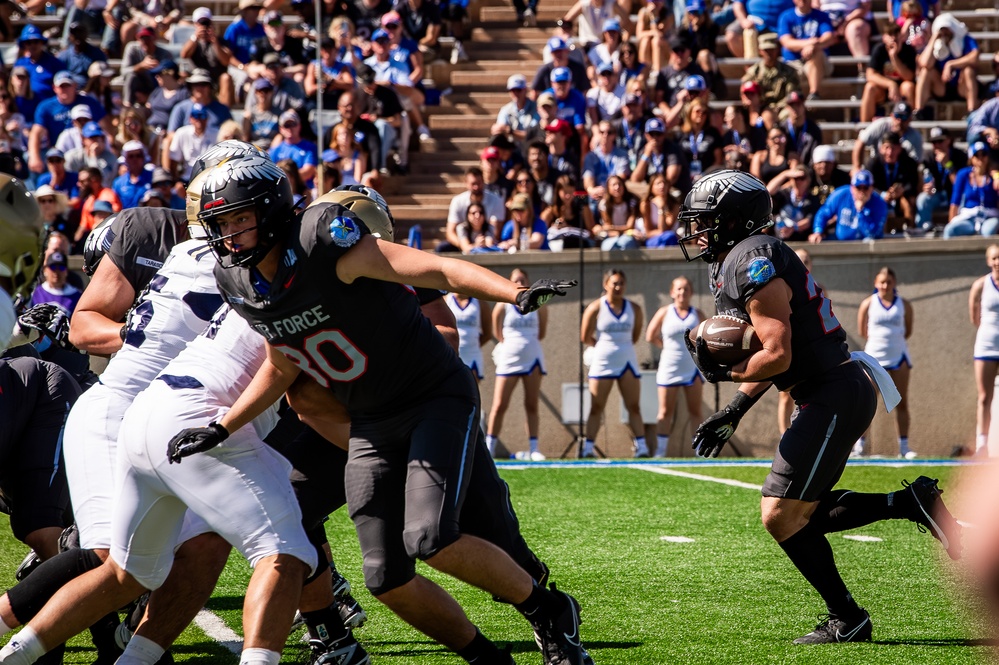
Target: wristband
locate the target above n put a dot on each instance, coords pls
(742, 402)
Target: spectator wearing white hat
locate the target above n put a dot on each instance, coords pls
(604, 101)
(94, 153)
(188, 142)
(518, 115)
(72, 137)
(55, 209)
(826, 176)
(53, 115)
(207, 50)
(292, 146)
(131, 185)
(56, 175)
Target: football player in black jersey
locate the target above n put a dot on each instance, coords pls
(759, 279)
(330, 301)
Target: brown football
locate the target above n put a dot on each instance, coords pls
(729, 340)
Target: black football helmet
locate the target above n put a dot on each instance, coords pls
(97, 244)
(246, 182)
(723, 208)
(221, 151)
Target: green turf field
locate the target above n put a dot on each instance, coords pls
(729, 596)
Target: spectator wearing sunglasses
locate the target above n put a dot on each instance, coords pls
(855, 212)
(794, 203)
(54, 287)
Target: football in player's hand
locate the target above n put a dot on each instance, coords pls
(729, 340)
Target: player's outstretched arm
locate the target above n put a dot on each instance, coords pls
(396, 263)
(96, 326)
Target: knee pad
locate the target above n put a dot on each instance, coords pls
(28, 597)
(425, 540)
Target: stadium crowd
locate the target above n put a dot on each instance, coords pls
(623, 116)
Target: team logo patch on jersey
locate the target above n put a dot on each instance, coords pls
(344, 232)
(760, 271)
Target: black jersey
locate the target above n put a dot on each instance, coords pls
(367, 341)
(142, 239)
(25, 384)
(818, 341)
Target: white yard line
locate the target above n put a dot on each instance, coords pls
(214, 627)
(696, 476)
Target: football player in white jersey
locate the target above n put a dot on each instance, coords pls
(242, 489)
(885, 321)
(517, 355)
(983, 305)
(612, 325)
(677, 371)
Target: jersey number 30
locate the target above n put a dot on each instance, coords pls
(316, 363)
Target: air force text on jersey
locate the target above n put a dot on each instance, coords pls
(293, 325)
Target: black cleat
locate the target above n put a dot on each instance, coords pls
(558, 638)
(345, 651)
(832, 629)
(351, 612)
(930, 514)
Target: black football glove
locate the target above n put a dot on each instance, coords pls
(711, 435)
(195, 440)
(541, 292)
(50, 320)
(712, 371)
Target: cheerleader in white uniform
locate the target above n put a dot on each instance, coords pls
(676, 368)
(517, 356)
(984, 305)
(475, 328)
(612, 325)
(885, 321)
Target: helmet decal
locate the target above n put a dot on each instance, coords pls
(251, 167)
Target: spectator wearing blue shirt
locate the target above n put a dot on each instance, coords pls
(52, 117)
(199, 85)
(294, 147)
(57, 177)
(131, 185)
(604, 160)
(41, 65)
(523, 227)
(857, 212)
(974, 205)
(402, 49)
(804, 34)
(570, 103)
(753, 17)
(240, 37)
(79, 54)
(396, 75)
(948, 66)
(24, 98)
